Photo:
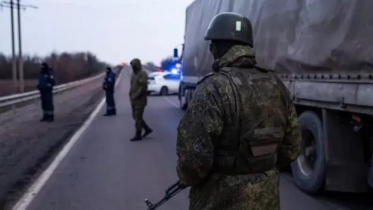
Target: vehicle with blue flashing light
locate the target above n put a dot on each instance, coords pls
(164, 83)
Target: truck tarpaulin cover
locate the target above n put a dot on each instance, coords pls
(290, 36)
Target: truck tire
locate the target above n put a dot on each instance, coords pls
(182, 99)
(370, 174)
(188, 96)
(164, 91)
(309, 169)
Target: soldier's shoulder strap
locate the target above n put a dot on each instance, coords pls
(205, 77)
(264, 70)
(226, 69)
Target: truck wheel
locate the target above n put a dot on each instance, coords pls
(188, 96)
(370, 174)
(309, 169)
(164, 91)
(182, 100)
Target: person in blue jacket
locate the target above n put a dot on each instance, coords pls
(108, 86)
(45, 86)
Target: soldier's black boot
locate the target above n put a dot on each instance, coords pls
(50, 118)
(114, 111)
(137, 136)
(44, 118)
(108, 113)
(147, 131)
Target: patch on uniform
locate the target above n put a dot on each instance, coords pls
(264, 150)
(238, 25)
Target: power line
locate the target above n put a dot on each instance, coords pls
(11, 6)
(113, 4)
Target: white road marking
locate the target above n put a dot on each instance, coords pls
(36, 187)
(171, 102)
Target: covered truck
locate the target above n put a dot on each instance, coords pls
(322, 51)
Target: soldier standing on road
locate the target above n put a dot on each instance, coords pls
(138, 96)
(45, 86)
(239, 129)
(108, 86)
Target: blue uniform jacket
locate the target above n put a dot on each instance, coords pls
(109, 82)
(46, 81)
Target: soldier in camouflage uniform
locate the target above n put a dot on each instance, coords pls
(138, 96)
(239, 129)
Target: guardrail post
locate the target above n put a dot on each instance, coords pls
(14, 108)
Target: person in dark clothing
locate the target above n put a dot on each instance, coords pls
(108, 86)
(45, 86)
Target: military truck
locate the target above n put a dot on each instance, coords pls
(322, 51)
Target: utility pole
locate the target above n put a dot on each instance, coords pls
(20, 57)
(14, 67)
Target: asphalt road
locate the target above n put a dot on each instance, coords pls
(105, 171)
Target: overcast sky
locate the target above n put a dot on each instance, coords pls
(114, 30)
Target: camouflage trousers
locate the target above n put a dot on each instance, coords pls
(137, 114)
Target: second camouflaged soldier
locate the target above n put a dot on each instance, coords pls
(239, 129)
(138, 97)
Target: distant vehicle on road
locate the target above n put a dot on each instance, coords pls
(163, 83)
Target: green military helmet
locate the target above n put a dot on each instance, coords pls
(230, 26)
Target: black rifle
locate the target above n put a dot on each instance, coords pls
(170, 192)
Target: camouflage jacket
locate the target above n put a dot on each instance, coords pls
(214, 106)
(139, 85)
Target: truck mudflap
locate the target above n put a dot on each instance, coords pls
(370, 174)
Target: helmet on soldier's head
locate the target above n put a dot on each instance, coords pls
(230, 26)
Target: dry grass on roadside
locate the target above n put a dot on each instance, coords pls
(6, 86)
